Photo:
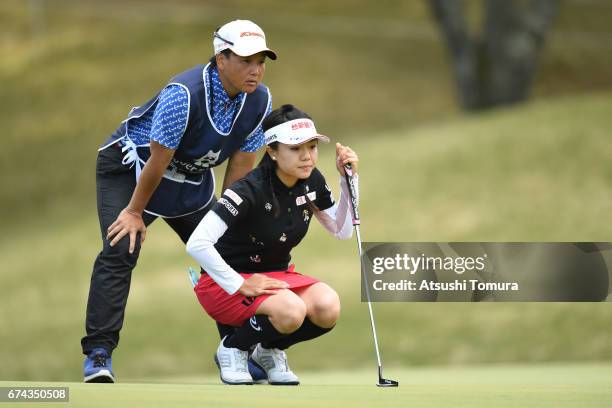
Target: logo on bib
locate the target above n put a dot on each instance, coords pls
(208, 160)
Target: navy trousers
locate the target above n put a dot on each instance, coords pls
(112, 270)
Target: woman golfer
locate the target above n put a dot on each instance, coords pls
(243, 245)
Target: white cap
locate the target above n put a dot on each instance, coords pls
(294, 132)
(243, 38)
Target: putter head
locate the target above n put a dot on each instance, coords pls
(383, 382)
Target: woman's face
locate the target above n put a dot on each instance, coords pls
(295, 161)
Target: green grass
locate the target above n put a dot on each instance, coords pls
(542, 386)
(538, 172)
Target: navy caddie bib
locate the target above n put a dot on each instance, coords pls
(188, 184)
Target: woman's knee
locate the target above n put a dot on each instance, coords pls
(285, 310)
(324, 309)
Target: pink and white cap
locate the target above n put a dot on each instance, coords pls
(294, 132)
(243, 38)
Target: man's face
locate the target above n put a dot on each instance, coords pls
(241, 74)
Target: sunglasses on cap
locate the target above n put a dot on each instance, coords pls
(216, 35)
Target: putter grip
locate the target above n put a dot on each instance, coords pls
(348, 174)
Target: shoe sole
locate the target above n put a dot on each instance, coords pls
(285, 383)
(101, 377)
(274, 382)
(228, 382)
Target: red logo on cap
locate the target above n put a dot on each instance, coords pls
(251, 34)
(301, 125)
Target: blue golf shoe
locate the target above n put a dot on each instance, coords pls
(258, 374)
(98, 368)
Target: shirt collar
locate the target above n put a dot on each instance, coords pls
(220, 96)
(278, 185)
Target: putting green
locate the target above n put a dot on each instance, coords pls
(554, 385)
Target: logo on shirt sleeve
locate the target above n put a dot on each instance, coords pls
(233, 196)
(228, 206)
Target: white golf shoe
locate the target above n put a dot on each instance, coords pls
(233, 367)
(274, 363)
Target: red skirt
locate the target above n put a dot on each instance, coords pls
(235, 309)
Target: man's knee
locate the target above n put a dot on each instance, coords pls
(119, 254)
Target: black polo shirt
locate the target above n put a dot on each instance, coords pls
(256, 240)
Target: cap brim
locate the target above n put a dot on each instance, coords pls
(271, 54)
(247, 53)
(322, 138)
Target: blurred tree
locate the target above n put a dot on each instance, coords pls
(496, 67)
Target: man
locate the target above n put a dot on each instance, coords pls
(158, 164)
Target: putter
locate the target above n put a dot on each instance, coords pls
(382, 382)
